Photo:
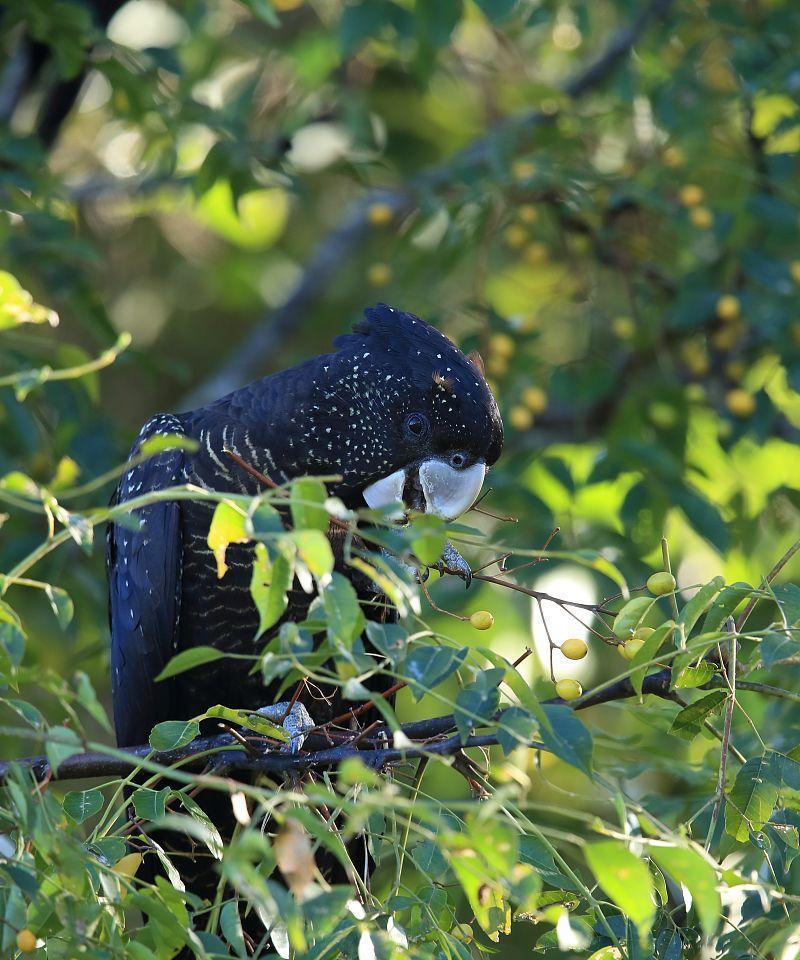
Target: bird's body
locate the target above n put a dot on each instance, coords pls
(397, 412)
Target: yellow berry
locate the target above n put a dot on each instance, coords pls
(701, 217)
(621, 650)
(728, 336)
(735, 370)
(535, 254)
(691, 195)
(695, 357)
(740, 402)
(728, 307)
(535, 399)
(623, 327)
(463, 932)
(496, 365)
(527, 213)
(660, 583)
(569, 689)
(26, 941)
(482, 620)
(501, 345)
(379, 214)
(522, 169)
(794, 270)
(378, 274)
(674, 157)
(515, 236)
(631, 647)
(574, 648)
(283, 5)
(520, 418)
(643, 633)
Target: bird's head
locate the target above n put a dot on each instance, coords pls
(403, 415)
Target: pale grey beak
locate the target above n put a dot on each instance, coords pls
(448, 492)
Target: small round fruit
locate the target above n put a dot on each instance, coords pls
(378, 274)
(379, 214)
(463, 932)
(574, 648)
(740, 402)
(520, 418)
(535, 399)
(631, 647)
(623, 328)
(527, 213)
(735, 370)
(662, 414)
(501, 345)
(522, 169)
(695, 393)
(674, 157)
(691, 195)
(661, 583)
(643, 633)
(701, 217)
(482, 620)
(282, 6)
(515, 236)
(569, 689)
(26, 941)
(794, 270)
(728, 307)
(536, 254)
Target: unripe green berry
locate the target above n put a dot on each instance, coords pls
(569, 689)
(661, 583)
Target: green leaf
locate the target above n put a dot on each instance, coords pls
(753, 797)
(477, 702)
(699, 603)
(61, 602)
(567, 737)
(230, 923)
(788, 596)
(315, 551)
(723, 606)
(631, 615)
(626, 879)
(515, 729)
(79, 805)
(345, 617)
(62, 743)
(150, 804)
(270, 583)
(173, 734)
(211, 835)
(186, 659)
(685, 865)
(307, 501)
(160, 442)
(694, 676)
(689, 721)
(390, 639)
(649, 649)
(108, 850)
(428, 666)
(248, 720)
(228, 525)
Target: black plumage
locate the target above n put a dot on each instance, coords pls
(393, 394)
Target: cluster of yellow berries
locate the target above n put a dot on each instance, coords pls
(659, 584)
(691, 196)
(534, 401)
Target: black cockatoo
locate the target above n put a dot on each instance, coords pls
(397, 411)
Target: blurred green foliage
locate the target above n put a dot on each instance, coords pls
(626, 259)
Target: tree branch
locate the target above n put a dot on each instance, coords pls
(247, 359)
(195, 755)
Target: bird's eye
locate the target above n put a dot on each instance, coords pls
(458, 460)
(416, 426)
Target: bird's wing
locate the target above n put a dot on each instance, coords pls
(144, 582)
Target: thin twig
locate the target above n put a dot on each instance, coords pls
(730, 677)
